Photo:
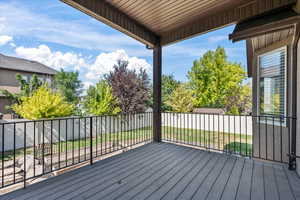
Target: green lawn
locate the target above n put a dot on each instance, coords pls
(216, 140)
(209, 139)
(131, 137)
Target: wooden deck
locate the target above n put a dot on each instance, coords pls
(168, 171)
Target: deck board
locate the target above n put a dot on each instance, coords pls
(168, 171)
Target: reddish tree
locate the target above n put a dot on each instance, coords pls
(130, 87)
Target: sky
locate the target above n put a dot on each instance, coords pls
(62, 37)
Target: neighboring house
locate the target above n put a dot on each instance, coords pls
(11, 66)
(273, 57)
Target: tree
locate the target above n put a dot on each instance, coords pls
(213, 78)
(239, 100)
(169, 84)
(181, 99)
(100, 100)
(43, 103)
(69, 85)
(131, 88)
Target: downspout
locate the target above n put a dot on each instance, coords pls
(292, 156)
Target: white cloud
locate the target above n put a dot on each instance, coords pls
(55, 59)
(87, 84)
(74, 33)
(105, 61)
(218, 38)
(4, 39)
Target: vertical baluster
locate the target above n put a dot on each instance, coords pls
(266, 136)
(241, 135)
(246, 131)
(259, 137)
(234, 131)
(91, 140)
(273, 135)
(59, 144)
(43, 147)
(14, 152)
(73, 140)
(24, 178)
(281, 137)
(34, 145)
(3, 143)
(66, 140)
(79, 139)
(51, 142)
(85, 139)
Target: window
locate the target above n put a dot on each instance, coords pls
(272, 83)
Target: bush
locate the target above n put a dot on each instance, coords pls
(43, 103)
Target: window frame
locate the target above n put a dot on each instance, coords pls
(269, 121)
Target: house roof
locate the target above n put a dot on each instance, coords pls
(167, 21)
(19, 64)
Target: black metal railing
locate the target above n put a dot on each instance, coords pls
(263, 137)
(30, 149)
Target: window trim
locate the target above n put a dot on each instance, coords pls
(270, 122)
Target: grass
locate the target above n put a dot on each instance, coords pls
(235, 143)
(131, 137)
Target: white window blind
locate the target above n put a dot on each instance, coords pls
(272, 82)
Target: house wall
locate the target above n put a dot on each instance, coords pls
(271, 141)
(8, 79)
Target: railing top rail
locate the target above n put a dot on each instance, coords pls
(67, 118)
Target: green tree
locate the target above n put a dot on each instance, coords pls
(213, 78)
(169, 84)
(69, 85)
(43, 103)
(100, 100)
(239, 101)
(181, 99)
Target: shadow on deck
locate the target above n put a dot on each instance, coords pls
(169, 171)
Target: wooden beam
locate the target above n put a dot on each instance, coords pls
(106, 13)
(157, 71)
(270, 23)
(250, 57)
(222, 19)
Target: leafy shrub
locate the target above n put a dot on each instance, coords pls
(43, 103)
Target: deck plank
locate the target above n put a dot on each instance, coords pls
(190, 189)
(284, 189)
(202, 191)
(271, 190)
(218, 187)
(244, 189)
(113, 189)
(168, 171)
(233, 183)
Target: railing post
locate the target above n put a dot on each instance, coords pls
(157, 54)
(91, 140)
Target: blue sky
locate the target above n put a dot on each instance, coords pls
(59, 36)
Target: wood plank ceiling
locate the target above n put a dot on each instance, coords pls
(169, 21)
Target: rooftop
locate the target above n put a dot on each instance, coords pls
(20, 64)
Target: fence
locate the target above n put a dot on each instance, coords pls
(31, 149)
(263, 137)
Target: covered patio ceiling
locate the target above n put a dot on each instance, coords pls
(164, 22)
